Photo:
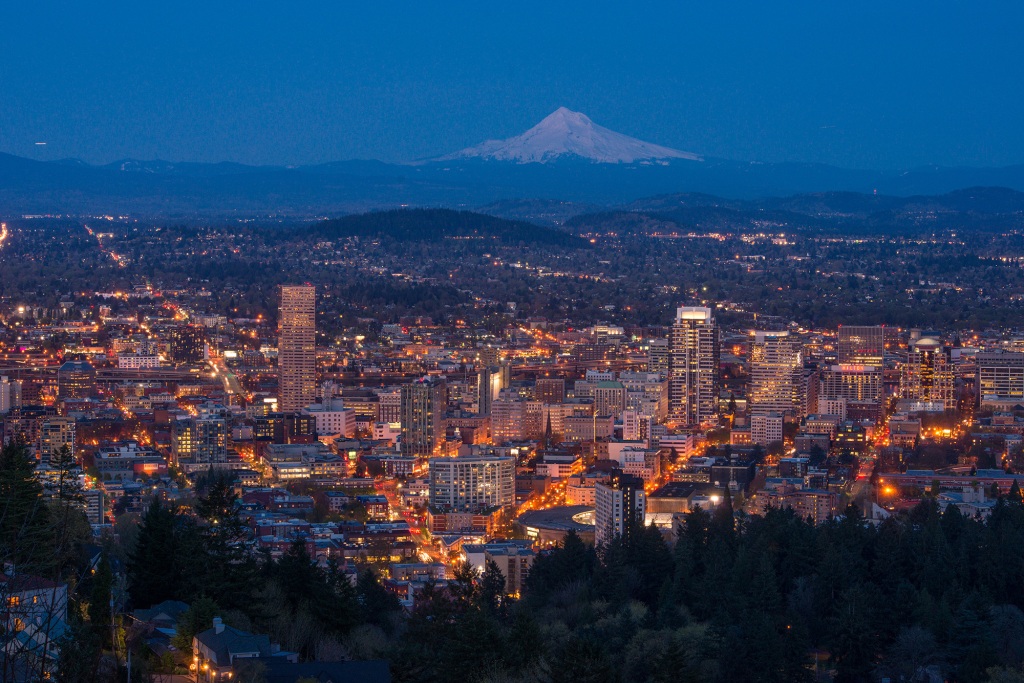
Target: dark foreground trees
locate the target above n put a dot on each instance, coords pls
(773, 598)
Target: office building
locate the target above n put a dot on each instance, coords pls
(490, 381)
(507, 420)
(10, 395)
(658, 356)
(332, 417)
(389, 408)
(855, 390)
(55, 433)
(188, 345)
(75, 379)
(296, 347)
(199, 443)
(472, 483)
(766, 428)
(927, 376)
(1000, 377)
(620, 505)
(861, 345)
(423, 405)
(549, 390)
(776, 374)
(609, 397)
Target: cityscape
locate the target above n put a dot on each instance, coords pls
(553, 404)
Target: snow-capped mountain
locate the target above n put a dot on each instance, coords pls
(570, 134)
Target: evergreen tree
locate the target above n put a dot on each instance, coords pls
(100, 596)
(154, 561)
(26, 532)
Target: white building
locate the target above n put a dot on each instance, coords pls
(137, 361)
(472, 483)
(10, 395)
(618, 505)
(765, 428)
(332, 417)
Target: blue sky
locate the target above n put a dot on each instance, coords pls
(867, 84)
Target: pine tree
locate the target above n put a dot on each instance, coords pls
(490, 593)
(27, 537)
(153, 563)
(100, 596)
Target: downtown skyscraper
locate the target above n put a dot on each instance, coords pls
(776, 368)
(693, 366)
(296, 347)
(861, 345)
(423, 407)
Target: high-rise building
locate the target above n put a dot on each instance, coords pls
(10, 395)
(619, 506)
(658, 356)
(487, 357)
(646, 393)
(390, 407)
(928, 373)
(490, 381)
(199, 443)
(423, 407)
(508, 418)
(296, 347)
(609, 396)
(861, 345)
(857, 387)
(693, 366)
(550, 390)
(188, 344)
(55, 433)
(472, 483)
(75, 379)
(776, 374)
(766, 428)
(1000, 376)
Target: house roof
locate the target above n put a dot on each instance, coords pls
(232, 641)
(26, 582)
(168, 611)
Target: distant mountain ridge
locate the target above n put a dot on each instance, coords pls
(968, 210)
(563, 185)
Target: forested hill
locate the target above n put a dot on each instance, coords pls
(429, 225)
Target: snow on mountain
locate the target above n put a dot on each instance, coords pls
(566, 133)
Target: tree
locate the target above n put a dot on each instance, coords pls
(80, 651)
(100, 596)
(196, 619)
(153, 565)
(491, 591)
(26, 530)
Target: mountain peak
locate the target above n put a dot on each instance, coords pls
(566, 133)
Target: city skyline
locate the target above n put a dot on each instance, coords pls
(511, 343)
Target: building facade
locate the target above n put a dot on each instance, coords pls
(472, 483)
(776, 373)
(423, 405)
(693, 366)
(619, 506)
(296, 347)
(861, 345)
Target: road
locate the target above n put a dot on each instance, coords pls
(426, 551)
(231, 384)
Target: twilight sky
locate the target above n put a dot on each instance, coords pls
(857, 84)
